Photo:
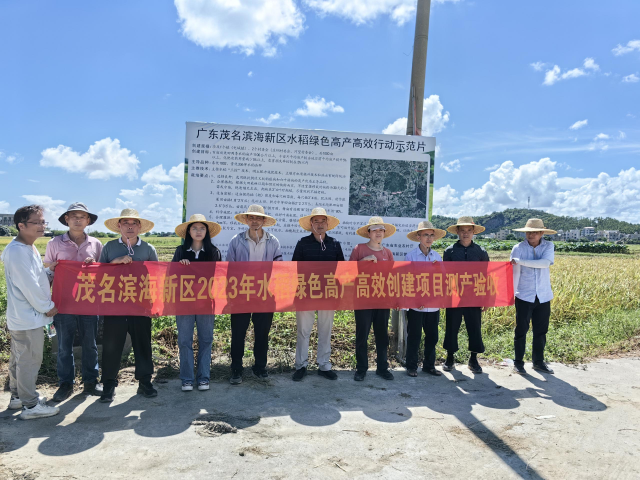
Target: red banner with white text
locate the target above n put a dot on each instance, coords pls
(164, 288)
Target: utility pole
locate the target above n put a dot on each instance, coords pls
(414, 127)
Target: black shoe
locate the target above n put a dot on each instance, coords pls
(519, 369)
(147, 390)
(386, 374)
(359, 376)
(447, 367)
(329, 374)
(92, 389)
(299, 374)
(432, 371)
(260, 373)
(108, 394)
(541, 367)
(64, 392)
(236, 377)
(412, 372)
(474, 366)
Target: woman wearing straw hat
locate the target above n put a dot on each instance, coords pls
(197, 247)
(373, 251)
(419, 319)
(316, 247)
(252, 245)
(531, 260)
(128, 248)
(464, 250)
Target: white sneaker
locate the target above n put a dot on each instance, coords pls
(16, 404)
(187, 387)
(203, 386)
(41, 410)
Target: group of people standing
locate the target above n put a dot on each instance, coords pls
(30, 306)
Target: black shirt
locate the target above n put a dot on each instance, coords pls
(183, 254)
(472, 253)
(309, 249)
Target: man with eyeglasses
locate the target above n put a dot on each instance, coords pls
(75, 245)
(316, 247)
(29, 308)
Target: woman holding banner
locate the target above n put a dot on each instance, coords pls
(197, 247)
(373, 251)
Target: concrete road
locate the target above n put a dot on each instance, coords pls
(581, 423)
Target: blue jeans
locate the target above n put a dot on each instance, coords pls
(87, 327)
(185, 325)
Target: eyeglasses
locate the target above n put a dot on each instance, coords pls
(42, 224)
(428, 235)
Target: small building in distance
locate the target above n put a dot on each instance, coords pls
(6, 219)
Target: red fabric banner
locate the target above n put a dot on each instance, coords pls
(163, 288)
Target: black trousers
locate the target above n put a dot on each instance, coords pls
(538, 313)
(416, 323)
(261, 326)
(380, 321)
(473, 322)
(114, 336)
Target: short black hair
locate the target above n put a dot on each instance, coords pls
(23, 214)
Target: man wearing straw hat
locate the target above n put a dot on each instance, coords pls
(252, 245)
(77, 246)
(531, 260)
(128, 248)
(464, 250)
(316, 247)
(419, 319)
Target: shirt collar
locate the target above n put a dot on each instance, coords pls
(264, 238)
(192, 250)
(67, 238)
(137, 244)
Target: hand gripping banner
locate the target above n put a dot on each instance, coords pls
(162, 288)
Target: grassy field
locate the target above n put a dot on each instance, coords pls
(596, 311)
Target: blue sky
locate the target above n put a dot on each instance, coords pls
(94, 96)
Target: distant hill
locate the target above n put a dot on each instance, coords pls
(517, 217)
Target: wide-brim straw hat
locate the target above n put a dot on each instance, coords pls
(425, 225)
(257, 210)
(305, 222)
(78, 207)
(145, 225)
(364, 230)
(214, 228)
(535, 225)
(465, 222)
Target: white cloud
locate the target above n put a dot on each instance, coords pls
(574, 73)
(492, 168)
(318, 107)
(554, 75)
(52, 208)
(631, 115)
(243, 25)
(621, 135)
(537, 66)
(569, 183)
(143, 152)
(630, 47)
(32, 180)
(104, 159)
(601, 136)
(433, 119)
(452, 166)
(4, 207)
(579, 124)
(250, 74)
(158, 174)
(633, 78)
(2, 172)
(590, 64)
(269, 119)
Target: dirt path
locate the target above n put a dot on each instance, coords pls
(580, 423)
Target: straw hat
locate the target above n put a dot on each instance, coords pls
(535, 225)
(214, 228)
(257, 210)
(305, 222)
(112, 223)
(463, 222)
(78, 207)
(364, 230)
(425, 225)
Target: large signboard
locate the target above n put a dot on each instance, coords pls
(289, 172)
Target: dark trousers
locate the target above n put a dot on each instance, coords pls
(261, 326)
(538, 313)
(416, 323)
(473, 322)
(114, 336)
(380, 321)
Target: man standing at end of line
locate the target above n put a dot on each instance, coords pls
(317, 247)
(77, 246)
(464, 250)
(29, 308)
(531, 260)
(127, 249)
(252, 245)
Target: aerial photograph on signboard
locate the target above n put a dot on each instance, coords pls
(391, 188)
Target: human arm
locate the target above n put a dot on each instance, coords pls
(277, 254)
(24, 275)
(231, 250)
(516, 277)
(153, 255)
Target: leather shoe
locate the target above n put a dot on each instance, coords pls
(64, 392)
(299, 374)
(542, 367)
(92, 389)
(386, 374)
(328, 374)
(359, 376)
(147, 390)
(432, 371)
(519, 369)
